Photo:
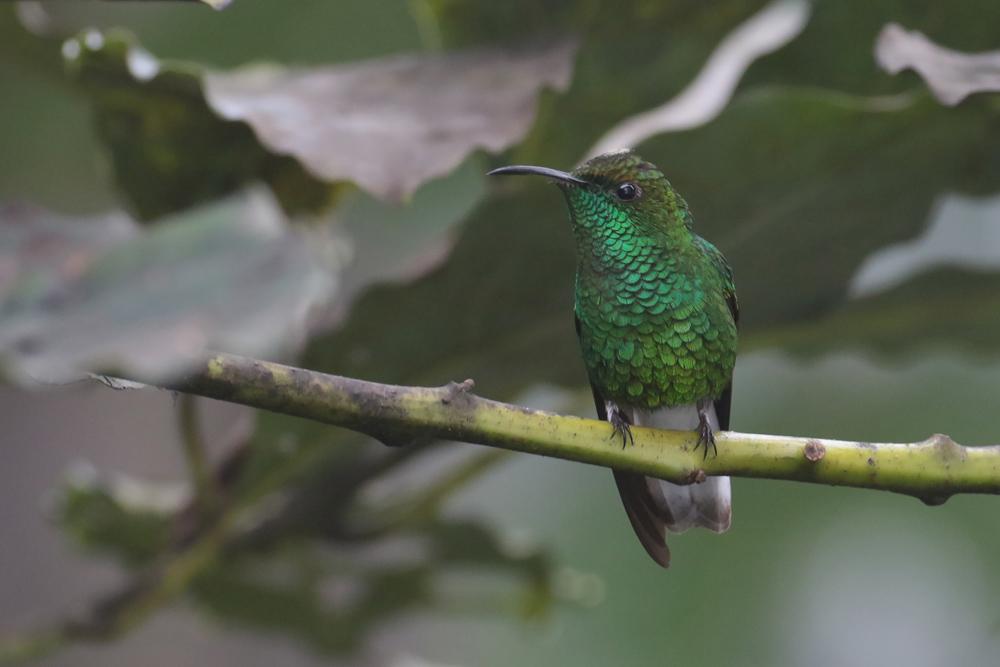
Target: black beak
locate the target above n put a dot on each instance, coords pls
(554, 174)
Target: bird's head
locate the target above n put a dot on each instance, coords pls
(617, 191)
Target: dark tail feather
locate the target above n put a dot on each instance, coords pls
(641, 510)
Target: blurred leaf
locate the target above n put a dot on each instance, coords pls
(857, 174)
(391, 125)
(835, 49)
(387, 125)
(170, 151)
(296, 32)
(943, 309)
(798, 187)
(705, 97)
(229, 276)
(130, 520)
(335, 598)
(952, 75)
(499, 309)
(402, 243)
(634, 55)
(634, 24)
(40, 249)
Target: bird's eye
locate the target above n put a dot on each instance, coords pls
(627, 191)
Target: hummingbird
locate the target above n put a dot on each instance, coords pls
(657, 319)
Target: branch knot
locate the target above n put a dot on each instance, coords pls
(814, 450)
(456, 390)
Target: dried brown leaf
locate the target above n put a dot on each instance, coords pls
(951, 75)
(390, 125)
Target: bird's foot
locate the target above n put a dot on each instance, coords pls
(620, 420)
(706, 436)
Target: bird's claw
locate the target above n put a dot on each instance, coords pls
(706, 436)
(622, 425)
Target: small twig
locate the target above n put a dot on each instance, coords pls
(33, 646)
(202, 478)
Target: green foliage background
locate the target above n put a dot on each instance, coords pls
(799, 181)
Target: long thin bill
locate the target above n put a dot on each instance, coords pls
(525, 170)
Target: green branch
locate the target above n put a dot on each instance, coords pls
(931, 470)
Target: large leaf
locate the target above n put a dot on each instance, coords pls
(709, 93)
(170, 151)
(797, 186)
(499, 310)
(391, 125)
(388, 126)
(103, 294)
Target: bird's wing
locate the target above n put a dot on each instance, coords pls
(718, 261)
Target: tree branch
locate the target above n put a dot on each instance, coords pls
(931, 470)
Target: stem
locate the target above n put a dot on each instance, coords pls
(202, 479)
(931, 470)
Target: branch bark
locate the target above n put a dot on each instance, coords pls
(932, 470)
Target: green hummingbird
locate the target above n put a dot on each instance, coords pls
(657, 317)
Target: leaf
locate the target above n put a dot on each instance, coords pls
(387, 125)
(946, 309)
(334, 598)
(797, 187)
(169, 150)
(499, 310)
(128, 519)
(951, 75)
(705, 97)
(40, 248)
(961, 233)
(228, 276)
(835, 50)
(393, 124)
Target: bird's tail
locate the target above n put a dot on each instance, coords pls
(655, 506)
(708, 504)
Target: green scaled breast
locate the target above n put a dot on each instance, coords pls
(655, 302)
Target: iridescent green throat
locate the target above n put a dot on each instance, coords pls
(655, 327)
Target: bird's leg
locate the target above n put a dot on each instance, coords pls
(706, 436)
(621, 421)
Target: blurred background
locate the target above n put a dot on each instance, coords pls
(304, 181)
